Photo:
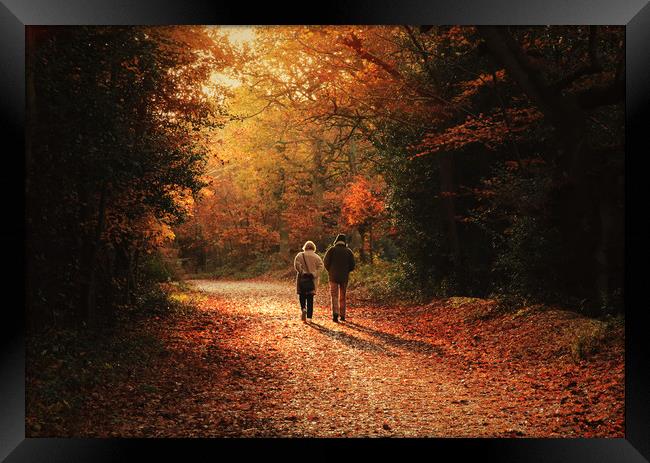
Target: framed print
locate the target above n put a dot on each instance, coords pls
(365, 226)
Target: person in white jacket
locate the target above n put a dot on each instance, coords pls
(307, 262)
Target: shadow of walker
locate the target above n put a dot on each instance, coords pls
(412, 345)
(351, 340)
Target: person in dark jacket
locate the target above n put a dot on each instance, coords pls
(339, 262)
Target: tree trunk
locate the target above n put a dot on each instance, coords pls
(352, 157)
(136, 268)
(362, 248)
(89, 296)
(44, 315)
(447, 190)
(121, 266)
(606, 214)
(318, 186)
(283, 227)
(130, 277)
(370, 244)
(569, 120)
(284, 240)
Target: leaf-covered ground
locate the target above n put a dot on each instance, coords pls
(243, 364)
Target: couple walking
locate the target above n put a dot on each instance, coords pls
(339, 262)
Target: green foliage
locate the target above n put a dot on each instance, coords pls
(531, 259)
(527, 261)
(159, 300)
(260, 266)
(157, 269)
(63, 363)
(418, 215)
(383, 282)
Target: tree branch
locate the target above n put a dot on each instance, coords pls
(593, 67)
(602, 96)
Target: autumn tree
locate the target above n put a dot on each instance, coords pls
(363, 208)
(116, 119)
(498, 97)
(492, 142)
(575, 78)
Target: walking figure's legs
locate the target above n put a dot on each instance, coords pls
(342, 293)
(303, 302)
(334, 298)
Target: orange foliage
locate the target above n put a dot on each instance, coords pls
(489, 130)
(470, 88)
(363, 204)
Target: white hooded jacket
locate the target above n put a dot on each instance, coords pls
(314, 264)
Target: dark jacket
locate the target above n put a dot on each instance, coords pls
(339, 262)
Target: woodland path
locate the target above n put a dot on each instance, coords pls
(345, 379)
(244, 364)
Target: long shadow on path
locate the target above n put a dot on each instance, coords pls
(351, 340)
(412, 345)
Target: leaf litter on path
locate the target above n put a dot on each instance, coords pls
(244, 364)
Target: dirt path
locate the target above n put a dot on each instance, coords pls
(244, 364)
(250, 367)
(337, 379)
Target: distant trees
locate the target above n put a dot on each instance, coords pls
(501, 149)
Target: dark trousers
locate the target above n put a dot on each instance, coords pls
(308, 300)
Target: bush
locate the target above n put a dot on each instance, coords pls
(586, 343)
(161, 299)
(157, 269)
(383, 281)
(256, 268)
(591, 337)
(529, 261)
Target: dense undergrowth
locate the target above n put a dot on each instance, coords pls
(64, 364)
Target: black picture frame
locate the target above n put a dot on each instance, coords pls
(16, 14)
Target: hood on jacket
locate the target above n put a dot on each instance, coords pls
(340, 237)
